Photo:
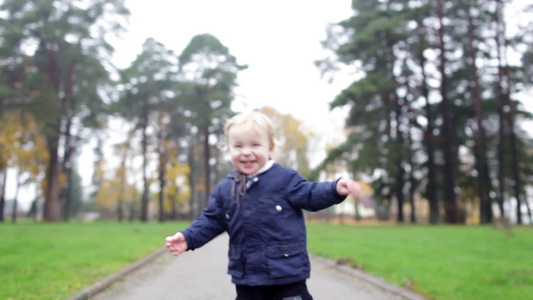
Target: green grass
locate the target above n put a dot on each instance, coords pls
(440, 262)
(54, 261)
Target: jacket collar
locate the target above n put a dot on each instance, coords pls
(265, 168)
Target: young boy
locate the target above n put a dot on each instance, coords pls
(260, 206)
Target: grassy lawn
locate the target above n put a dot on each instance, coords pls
(441, 262)
(54, 261)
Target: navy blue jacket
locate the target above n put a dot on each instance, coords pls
(268, 243)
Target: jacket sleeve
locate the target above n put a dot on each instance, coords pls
(207, 225)
(312, 196)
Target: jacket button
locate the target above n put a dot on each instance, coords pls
(286, 255)
(256, 179)
(278, 208)
(227, 216)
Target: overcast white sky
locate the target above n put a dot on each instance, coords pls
(277, 39)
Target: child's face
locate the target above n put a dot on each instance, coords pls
(249, 149)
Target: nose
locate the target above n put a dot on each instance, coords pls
(246, 151)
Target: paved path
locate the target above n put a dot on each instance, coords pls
(201, 275)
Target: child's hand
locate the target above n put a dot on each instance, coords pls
(177, 243)
(348, 187)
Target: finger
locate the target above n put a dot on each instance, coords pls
(357, 189)
(353, 192)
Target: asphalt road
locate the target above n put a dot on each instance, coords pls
(201, 275)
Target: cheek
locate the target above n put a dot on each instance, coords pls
(234, 155)
(266, 154)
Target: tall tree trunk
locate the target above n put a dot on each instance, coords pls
(501, 110)
(175, 203)
(429, 137)
(15, 200)
(387, 182)
(163, 158)
(400, 182)
(161, 178)
(490, 188)
(64, 191)
(144, 200)
(413, 185)
(52, 209)
(412, 190)
(52, 204)
(122, 189)
(357, 214)
(514, 162)
(450, 197)
(192, 179)
(480, 136)
(69, 145)
(3, 181)
(511, 119)
(207, 165)
(68, 196)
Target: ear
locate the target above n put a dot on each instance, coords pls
(271, 150)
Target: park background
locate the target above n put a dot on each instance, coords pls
(343, 106)
(427, 103)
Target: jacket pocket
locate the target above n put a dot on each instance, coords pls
(235, 266)
(285, 260)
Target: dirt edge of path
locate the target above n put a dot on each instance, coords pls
(376, 281)
(101, 285)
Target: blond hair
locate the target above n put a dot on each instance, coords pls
(257, 120)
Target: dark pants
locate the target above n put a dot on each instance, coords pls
(293, 291)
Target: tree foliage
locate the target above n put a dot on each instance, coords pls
(63, 45)
(434, 108)
(146, 90)
(212, 73)
(413, 109)
(23, 148)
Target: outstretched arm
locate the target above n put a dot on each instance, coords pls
(204, 228)
(315, 196)
(177, 243)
